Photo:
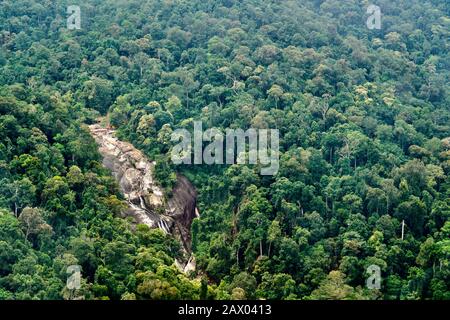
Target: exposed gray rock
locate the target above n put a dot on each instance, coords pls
(147, 202)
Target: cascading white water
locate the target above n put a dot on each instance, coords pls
(146, 200)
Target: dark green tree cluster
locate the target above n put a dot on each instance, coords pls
(365, 146)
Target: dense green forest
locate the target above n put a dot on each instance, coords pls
(364, 123)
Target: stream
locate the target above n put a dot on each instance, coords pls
(147, 203)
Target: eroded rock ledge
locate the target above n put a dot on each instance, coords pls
(147, 201)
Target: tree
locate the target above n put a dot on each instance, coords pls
(274, 233)
(376, 200)
(18, 194)
(335, 288)
(254, 215)
(275, 92)
(118, 257)
(33, 223)
(413, 212)
(245, 286)
(276, 287)
(98, 94)
(321, 106)
(174, 106)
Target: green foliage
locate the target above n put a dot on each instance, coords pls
(364, 125)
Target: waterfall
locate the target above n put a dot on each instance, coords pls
(147, 202)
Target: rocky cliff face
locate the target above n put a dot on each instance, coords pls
(147, 202)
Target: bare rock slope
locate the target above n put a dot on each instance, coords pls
(147, 202)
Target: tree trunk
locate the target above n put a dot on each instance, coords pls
(187, 100)
(260, 248)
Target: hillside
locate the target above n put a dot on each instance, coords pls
(364, 147)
